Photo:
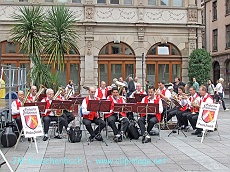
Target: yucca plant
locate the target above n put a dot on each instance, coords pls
(28, 30)
(59, 33)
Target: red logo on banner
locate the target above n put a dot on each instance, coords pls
(31, 121)
(208, 115)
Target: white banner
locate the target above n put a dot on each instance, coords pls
(207, 116)
(31, 121)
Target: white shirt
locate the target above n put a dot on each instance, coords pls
(196, 101)
(208, 100)
(84, 106)
(219, 88)
(72, 92)
(14, 108)
(137, 92)
(152, 101)
(51, 112)
(167, 93)
(103, 93)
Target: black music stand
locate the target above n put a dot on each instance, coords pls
(41, 106)
(139, 97)
(178, 105)
(76, 101)
(99, 106)
(124, 107)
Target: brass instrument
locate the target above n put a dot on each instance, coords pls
(58, 112)
(40, 91)
(194, 104)
(120, 85)
(26, 97)
(70, 89)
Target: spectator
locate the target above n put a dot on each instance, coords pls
(211, 88)
(195, 84)
(131, 86)
(176, 84)
(219, 92)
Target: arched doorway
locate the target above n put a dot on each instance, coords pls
(163, 63)
(216, 71)
(114, 61)
(12, 56)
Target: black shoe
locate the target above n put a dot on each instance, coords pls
(91, 138)
(45, 138)
(143, 139)
(199, 135)
(147, 140)
(30, 139)
(58, 137)
(182, 127)
(195, 133)
(98, 137)
(174, 131)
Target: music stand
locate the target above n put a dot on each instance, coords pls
(99, 106)
(139, 97)
(41, 96)
(177, 104)
(124, 107)
(41, 106)
(131, 100)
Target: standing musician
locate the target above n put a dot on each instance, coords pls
(204, 97)
(32, 96)
(70, 86)
(139, 90)
(90, 116)
(102, 91)
(164, 94)
(113, 117)
(193, 102)
(15, 109)
(49, 115)
(152, 119)
(67, 114)
(182, 100)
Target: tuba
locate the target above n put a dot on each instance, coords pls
(70, 89)
(120, 85)
(59, 91)
(26, 97)
(40, 91)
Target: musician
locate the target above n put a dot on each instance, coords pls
(204, 97)
(152, 119)
(193, 101)
(49, 116)
(182, 100)
(90, 116)
(113, 117)
(173, 94)
(102, 91)
(139, 90)
(15, 109)
(32, 96)
(70, 86)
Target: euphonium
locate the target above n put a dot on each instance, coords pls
(70, 89)
(58, 112)
(120, 85)
(26, 97)
(40, 91)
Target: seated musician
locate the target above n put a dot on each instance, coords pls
(50, 115)
(204, 97)
(113, 117)
(182, 100)
(152, 119)
(67, 114)
(193, 101)
(32, 96)
(164, 94)
(70, 86)
(90, 117)
(15, 109)
(139, 90)
(102, 91)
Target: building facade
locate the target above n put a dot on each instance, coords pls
(150, 39)
(217, 18)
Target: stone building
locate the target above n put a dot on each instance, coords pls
(150, 39)
(217, 20)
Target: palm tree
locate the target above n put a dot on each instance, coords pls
(59, 33)
(28, 30)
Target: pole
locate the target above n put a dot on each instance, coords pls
(142, 68)
(10, 93)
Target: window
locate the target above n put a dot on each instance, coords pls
(227, 6)
(62, 1)
(101, 1)
(215, 40)
(9, 0)
(228, 36)
(214, 10)
(177, 3)
(10, 48)
(49, 0)
(165, 2)
(23, 0)
(76, 1)
(128, 2)
(114, 1)
(152, 2)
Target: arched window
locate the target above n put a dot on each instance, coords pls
(163, 63)
(216, 71)
(115, 60)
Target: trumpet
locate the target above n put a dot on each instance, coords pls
(40, 91)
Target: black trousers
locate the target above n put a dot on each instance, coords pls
(151, 119)
(192, 118)
(164, 114)
(171, 113)
(19, 123)
(185, 117)
(98, 121)
(47, 119)
(124, 123)
(68, 116)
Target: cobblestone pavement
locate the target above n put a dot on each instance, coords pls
(175, 153)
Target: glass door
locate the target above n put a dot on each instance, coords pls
(163, 73)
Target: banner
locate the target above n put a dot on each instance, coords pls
(207, 116)
(31, 121)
